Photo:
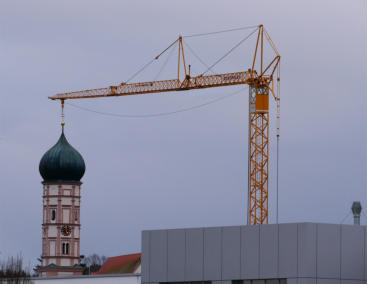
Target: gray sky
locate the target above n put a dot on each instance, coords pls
(187, 169)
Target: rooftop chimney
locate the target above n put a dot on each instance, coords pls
(357, 209)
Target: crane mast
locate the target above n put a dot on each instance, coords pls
(262, 83)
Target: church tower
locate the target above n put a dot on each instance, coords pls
(61, 168)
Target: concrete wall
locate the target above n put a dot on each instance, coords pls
(300, 252)
(93, 279)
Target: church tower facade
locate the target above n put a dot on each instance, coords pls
(61, 168)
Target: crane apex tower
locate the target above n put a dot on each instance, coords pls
(61, 168)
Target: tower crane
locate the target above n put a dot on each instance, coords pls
(263, 79)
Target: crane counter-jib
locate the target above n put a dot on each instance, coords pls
(198, 82)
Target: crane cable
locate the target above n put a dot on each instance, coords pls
(230, 51)
(345, 218)
(140, 70)
(364, 213)
(150, 62)
(197, 56)
(164, 64)
(219, 32)
(157, 114)
(278, 142)
(195, 35)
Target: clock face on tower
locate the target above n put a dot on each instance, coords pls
(66, 230)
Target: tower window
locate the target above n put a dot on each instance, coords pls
(65, 248)
(76, 215)
(53, 214)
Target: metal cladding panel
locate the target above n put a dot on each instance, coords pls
(231, 253)
(328, 251)
(269, 251)
(255, 253)
(327, 281)
(307, 250)
(305, 281)
(176, 255)
(145, 256)
(250, 243)
(352, 282)
(158, 256)
(352, 256)
(212, 254)
(272, 281)
(288, 245)
(194, 254)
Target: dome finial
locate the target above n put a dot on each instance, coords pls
(62, 115)
(62, 126)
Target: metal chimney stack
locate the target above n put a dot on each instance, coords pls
(357, 209)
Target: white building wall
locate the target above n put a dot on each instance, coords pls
(75, 249)
(52, 260)
(76, 232)
(66, 201)
(65, 262)
(66, 215)
(54, 190)
(52, 248)
(52, 231)
(62, 273)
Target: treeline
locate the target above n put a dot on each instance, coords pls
(92, 263)
(12, 271)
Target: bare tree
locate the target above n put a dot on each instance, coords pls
(13, 271)
(35, 269)
(93, 262)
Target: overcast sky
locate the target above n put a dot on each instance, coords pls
(187, 169)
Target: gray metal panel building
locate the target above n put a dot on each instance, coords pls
(300, 253)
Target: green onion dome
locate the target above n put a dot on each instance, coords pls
(62, 163)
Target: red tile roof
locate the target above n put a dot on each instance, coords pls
(121, 264)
